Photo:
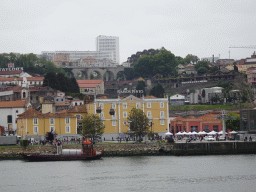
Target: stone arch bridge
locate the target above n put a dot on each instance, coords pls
(110, 73)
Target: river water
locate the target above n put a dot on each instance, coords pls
(149, 173)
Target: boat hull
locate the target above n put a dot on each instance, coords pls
(56, 157)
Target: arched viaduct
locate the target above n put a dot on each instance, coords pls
(110, 73)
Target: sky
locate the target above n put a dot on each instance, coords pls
(199, 27)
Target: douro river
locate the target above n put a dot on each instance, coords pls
(150, 173)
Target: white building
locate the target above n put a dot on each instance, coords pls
(109, 44)
(75, 55)
(9, 111)
(177, 99)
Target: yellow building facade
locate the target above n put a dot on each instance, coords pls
(32, 123)
(156, 109)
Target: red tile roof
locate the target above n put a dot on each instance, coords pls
(12, 104)
(78, 109)
(11, 72)
(61, 104)
(89, 81)
(32, 113)
(87, 85)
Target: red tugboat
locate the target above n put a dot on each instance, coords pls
(86, 153)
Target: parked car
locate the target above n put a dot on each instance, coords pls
(209, 138)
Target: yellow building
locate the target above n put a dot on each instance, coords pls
(34, 124)
(156, 109)
(47, 107)
(80, 112)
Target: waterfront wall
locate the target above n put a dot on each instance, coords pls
(8, 140)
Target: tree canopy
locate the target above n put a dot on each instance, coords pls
(157, 91)
(191, 59)
(92, 126)
(163, 63)
(138, 122)
(234, 123)
(134, 58)
(61, 82)
(30, 63)
(141, 86)
(202, 66)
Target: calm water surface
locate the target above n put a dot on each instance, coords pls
(167, 173)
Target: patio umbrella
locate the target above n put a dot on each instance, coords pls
(233, 132)
(179, 133)
(194, 133)
(168, 133)
(189, 133)
(184, 133)
(221, 133)
(212, 133)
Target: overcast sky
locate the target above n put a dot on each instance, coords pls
(198, 27)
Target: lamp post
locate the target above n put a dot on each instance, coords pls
(98, 110)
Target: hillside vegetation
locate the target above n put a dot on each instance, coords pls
(208, 107)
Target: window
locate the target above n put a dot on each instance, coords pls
(9, 119)
(137, 105)
(148, 105)
(52, 129)
(101, 105)
(149, 113)
(67, 129)
(125, 122)
(124, 105)
(49, 106)
(51, 121)
(125, 114)
(194, 128)
(67, 120)
(161, 105)
(206, 128)
(35, 129)
(162, 122)
(79, 117)
(57, 99)
(102, 115)
(161, 113)
(113, 123)
(44, 106)
(35, 121)
(216, 128)
(113, 106)
(17, 111)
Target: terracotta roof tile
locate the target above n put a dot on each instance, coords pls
(32, 113)
(78, 109)
(89, 81)
(12, 104)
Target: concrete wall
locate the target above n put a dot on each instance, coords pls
(10, 140)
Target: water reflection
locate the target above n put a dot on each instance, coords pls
(167, 173)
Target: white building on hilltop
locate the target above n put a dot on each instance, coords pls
(109, 44)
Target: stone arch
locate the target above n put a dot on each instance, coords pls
(108, 76)
(84, 75)
(96, 73)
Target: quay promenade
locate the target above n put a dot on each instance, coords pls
(144, 149)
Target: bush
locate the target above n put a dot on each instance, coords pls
(24, 143)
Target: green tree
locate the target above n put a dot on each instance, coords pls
(50, 79)
(141, 86)
(74, 85)
(191, 59)
(92, 126)
(157, 91)
(204, 64)
(165, 63)
(138, 122)
(233, 123)
(144, 67)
